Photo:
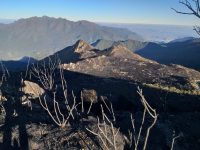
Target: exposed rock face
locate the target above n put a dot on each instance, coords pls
(121, 51)
(32, 89)
(181, 51)
(81, 47)
(80, 50)
(120, 63)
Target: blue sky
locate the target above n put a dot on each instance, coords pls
(116, 11)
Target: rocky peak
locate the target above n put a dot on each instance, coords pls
(118, 50)
(82, 46)
(122, 52)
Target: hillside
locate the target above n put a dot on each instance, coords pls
(184, 53)
(17, 65)
(133, 45)
(40, 36)
(88, 81)
(118, 69)
(120, 63)
(184, 39)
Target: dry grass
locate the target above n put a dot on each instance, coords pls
(173, 89)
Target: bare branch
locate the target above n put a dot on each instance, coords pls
(105, 134)
(197, 29)
(174, 140)
(135, 137)
(46, 74)
(194, 9)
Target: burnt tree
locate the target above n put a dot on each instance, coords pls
(193, 7)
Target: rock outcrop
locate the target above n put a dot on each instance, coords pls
(120, 63)
(32, 89)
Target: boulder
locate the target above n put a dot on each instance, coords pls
(32, 89)
(89, 95)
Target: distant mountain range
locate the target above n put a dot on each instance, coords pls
(40, 36)
(150, 32)
(132, 45)
(182, 39)
(186, 53)
(17, 65)
(156, 32)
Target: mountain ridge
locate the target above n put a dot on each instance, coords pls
(39, 37)
(183, 51)
(133, 45)
(121, 63)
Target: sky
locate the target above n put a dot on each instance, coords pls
(113, 11)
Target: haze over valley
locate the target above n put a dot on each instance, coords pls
(158, 32)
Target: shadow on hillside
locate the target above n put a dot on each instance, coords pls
(121, 92)
(14, 128)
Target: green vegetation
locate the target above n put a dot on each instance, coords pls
(173, 89)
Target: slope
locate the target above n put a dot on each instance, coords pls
(40, 36)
